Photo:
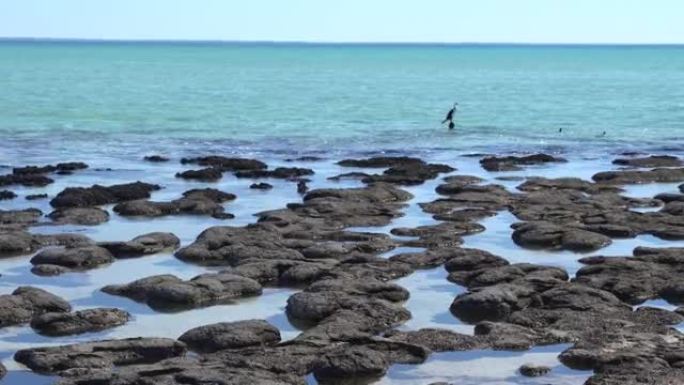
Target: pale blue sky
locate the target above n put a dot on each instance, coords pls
(527, 21)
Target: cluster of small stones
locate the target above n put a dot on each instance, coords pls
(348, 306)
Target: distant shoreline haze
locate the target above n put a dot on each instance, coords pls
(328, 43)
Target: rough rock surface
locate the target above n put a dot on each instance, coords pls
(33, 197)
(231, 335)
(156, 158)
(82, 321)
(193, 202)
(514, 163)
(99, 355)
(145, 244)
(261, 186)
(76, 258)
(279, 173)
(209, 174)
(530, 370)
(168, 292)
(89, 216)
(100, 195)
(657, 175)
(7, 195)
(650, 161)
(26, 302)
(400, 170)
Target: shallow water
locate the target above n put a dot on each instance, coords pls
(431, 293)
(486, 367)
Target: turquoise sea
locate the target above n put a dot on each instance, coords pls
(66, 96)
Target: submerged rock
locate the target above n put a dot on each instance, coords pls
(657, 175)
(280, 173)
(226, 164)
(514, 163)
(34, 197)
(58, 168)
(156, 158)
(400, 170)
(650, 161)
(82, 321)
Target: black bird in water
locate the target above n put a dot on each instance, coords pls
(450, 114)
(560, 130)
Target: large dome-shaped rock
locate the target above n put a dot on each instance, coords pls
(168, 292)
(88, 216)
(544, 235)
(97, 195)
(26, 302)
(145, 244)
(82, 321)
(87, 257)
(231, 335)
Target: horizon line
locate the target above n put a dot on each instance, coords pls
(331, 42)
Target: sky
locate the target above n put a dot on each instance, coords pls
(453, 21)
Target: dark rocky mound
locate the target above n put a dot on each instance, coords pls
(101, 195)
(226, 164)
(400, 170)
(7, 195)
(544, 235)
(261, 186)
(99, 355)
(649, 274)
(76, 258)
(194, 202)
(18, 242)
(28, 180)
(657, 175)
(60, 168)
(167, 292)
(89, 216)
(515, 163)
(27, 302)
(306, 158)
(156, 158)
(33, 197)
(231, 335)
(280, 173)
(147, 244)
(209, 174)
(650, 161)
(78, 322)
(529, 370)
(544, 184)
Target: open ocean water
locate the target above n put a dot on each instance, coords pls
(121, 98)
